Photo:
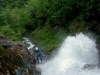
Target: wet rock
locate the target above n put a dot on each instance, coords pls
(14, 45)
(14, 57)
(19, 45)
(5, 43)
(2, 36)
(98, 48)
(91, 66)
(0, 65)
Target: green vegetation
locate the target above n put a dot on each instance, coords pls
(1, 48)
(48, 20)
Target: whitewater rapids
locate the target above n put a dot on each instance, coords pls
(73, 54)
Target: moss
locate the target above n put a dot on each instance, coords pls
(1, 48)
(13, 37)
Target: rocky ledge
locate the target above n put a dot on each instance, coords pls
(14, 55)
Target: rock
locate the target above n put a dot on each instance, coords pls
(2, 36)
(91, 66)
(14, 56)
(14, 45)
(19, 46)
(98, 48)
(5, 43)
(0, 65)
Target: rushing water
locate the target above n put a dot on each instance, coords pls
(74, 53)
(29, 42)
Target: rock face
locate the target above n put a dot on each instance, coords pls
(13, 45)
(14, 55)
(98, 45)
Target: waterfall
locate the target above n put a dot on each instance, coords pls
(29, 42)
(74, 53)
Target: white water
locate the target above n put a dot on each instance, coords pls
(29, 42)
(71, 57)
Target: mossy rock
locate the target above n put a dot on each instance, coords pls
(98, 40)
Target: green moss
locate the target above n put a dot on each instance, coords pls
(1, 48)
(13, 37)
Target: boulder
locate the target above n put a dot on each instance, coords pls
(19, 46)
(14, 45)
(5, 43)
(91, 66)
(2, 36)
(14, 57)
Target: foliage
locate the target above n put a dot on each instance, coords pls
(48, 37)
(13, 22)
(12, 3)
(41, 17)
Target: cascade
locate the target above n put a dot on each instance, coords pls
(29, 42)
(72, 55)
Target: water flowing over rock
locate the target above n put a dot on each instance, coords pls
(29, 42)
(91, 66)
(74, 53)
